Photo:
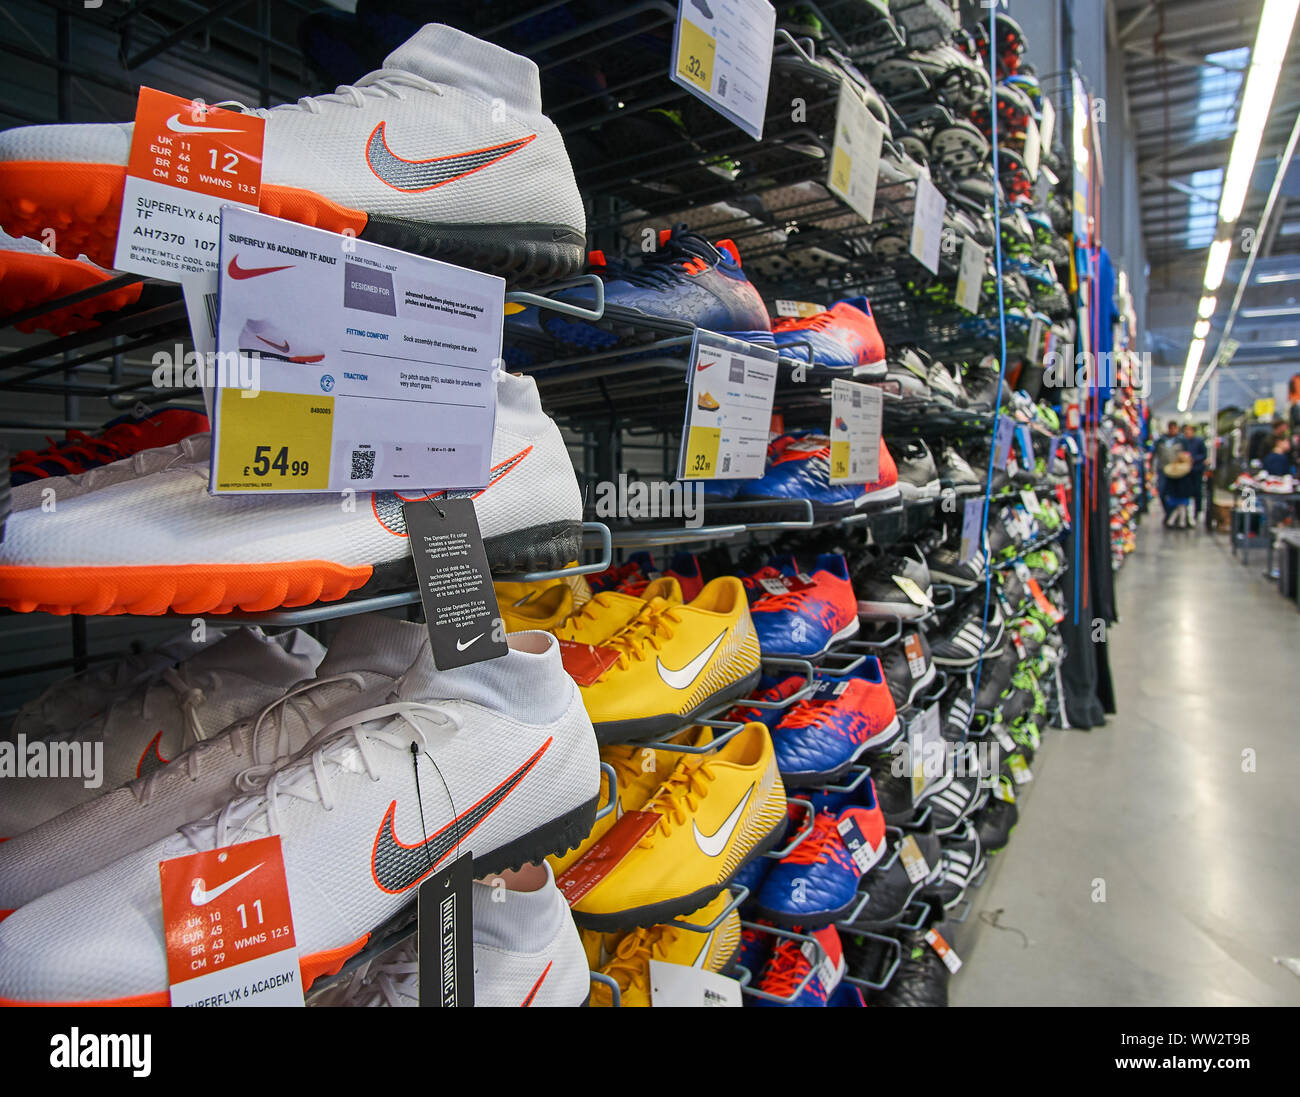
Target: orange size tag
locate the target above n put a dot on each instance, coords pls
(915, 654)
(190, 145)
(229, 928)
(1043, 602)
(585, 663)
(187, 160)
(951, 960)
(597, 863)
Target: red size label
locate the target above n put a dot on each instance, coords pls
(186, 143)
(597, 863)
(585, 663)
(225, 907)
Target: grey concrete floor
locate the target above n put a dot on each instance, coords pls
(1199, 857)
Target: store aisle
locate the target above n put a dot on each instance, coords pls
(1199, 859)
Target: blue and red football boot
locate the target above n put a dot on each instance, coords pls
(817, 882)
(812, 613)
(845, 337)
(823, 735)
(799, 467)
(789, 964)
(685, 283)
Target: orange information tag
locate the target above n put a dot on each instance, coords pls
(187, 160)
(594, 865)
(915, 654)
(951, 960)
(229, 928)
(585, 663)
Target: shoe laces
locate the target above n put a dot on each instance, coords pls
(378, 84)
(785, 970)
(678, 798)
(663, 268)
(820, 322)
(792, 600)
(348, 744)
(630, 965)
(810, 713)
(141, 462)
(74, 453)
(390, 983)
(650, 629)
(820, 845)
(587, 616)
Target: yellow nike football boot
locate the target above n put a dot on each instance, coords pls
(608, 613)
(548, 610)
(516, 594)
(629, 966)
(639, 771)
(671, 663)
(713, 814)
(707, 402)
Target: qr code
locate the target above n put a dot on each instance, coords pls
(736, 371)
(363, 464)
(726, 462)
(722, 87)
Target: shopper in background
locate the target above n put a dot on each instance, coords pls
(1194, 445)
(1280, 462)
(1165, 448)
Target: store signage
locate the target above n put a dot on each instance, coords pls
(375, 368)
(1002, 441)
(228, 927)
(970, 277)
(187, 161)
(926, 747)
(927, 226)
(722, 54)
(855, 159)
(857, 412)
(972, 528)
(730, 389)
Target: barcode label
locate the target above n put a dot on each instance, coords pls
(722, 87)
(726, 462)
(363, 464)
(736, 371)
(210, 307)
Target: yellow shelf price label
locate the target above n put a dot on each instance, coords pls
(839, 460)
(275, 441)
(841, 169)
(696, 50)
(702, 451)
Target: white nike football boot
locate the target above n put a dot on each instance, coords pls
(369, 651)
(71, 701)
(263, 338)
(149, 726)
(505, 766)
(527, 952)
(157, 542)
(444, 152)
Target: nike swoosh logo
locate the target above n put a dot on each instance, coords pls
(682, 679)
(469, 643)
(151, 759)
(713, 844)
(397, 867)
(175, 124)
(415, 175)
(537, 986)
(278, 346)
(200, 897)
(237, 272)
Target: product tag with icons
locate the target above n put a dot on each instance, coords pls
(857, 412)
(730, 389)
(722, 54)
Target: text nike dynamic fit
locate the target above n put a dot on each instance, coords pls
(160, 542)
(444, 151)
(508, 771)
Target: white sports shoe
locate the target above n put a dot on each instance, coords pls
(147, 727)
(146, 544)
(369, 652)
(444, 151)
(264, 338)
(71, 701)
(508, 769)
(527, 952)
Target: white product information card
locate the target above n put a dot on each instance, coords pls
(855, 160)
(927, 228)
(722, 52)
(349, 365)
(856, 415)
(731, 386)
(678, 985)
(970, 278)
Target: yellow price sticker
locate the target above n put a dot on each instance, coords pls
(839, 460)
(275, 441)
(702, 451)
(841, 170)
(695, 53)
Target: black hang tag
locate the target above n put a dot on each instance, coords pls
(451, 566)
(446, 935)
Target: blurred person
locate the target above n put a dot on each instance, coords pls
(1194, 445)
